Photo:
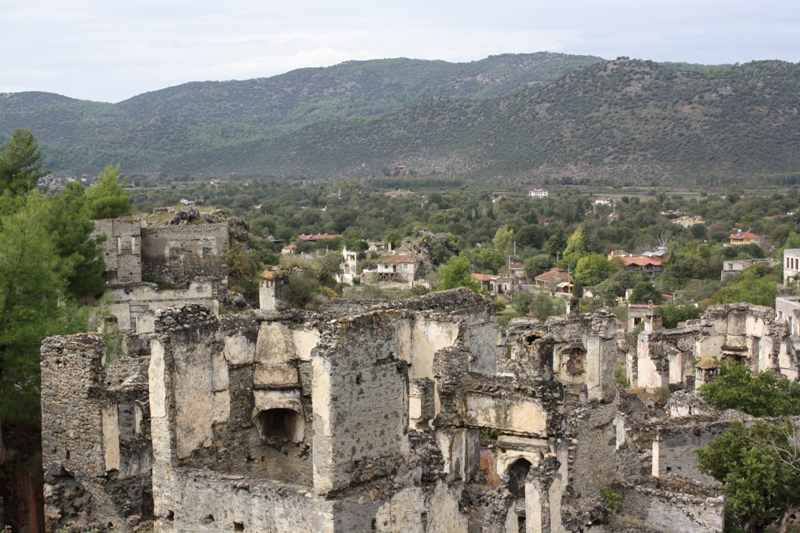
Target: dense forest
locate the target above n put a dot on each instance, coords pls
(555, 117)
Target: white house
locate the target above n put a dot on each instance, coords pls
(538, 193)
(791, 265)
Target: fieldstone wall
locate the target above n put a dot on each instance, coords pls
(96, 449)
(182, 254)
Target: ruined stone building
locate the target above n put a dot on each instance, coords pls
(188, 256)
(411, 416)
(751, 334)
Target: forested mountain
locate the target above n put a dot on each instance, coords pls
(82, 136)
(623, 120)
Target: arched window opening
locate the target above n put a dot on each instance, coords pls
(517, 473)
(276, 426)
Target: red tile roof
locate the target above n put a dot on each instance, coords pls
(744, 235)
(483, 277)
(554, 273)
(642, 260)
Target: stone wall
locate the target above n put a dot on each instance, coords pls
(135, 304)
(679, 508)
(360, 402)
(675, 444)
(96, 449)
(745, 333)
(181, 254)
(122, 249)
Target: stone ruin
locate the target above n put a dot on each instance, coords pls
(684, 357)
(191, 257)
(411, 416)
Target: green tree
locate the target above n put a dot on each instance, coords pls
(756, 285)
(758, 394)
(557, 243)
(543, 306)
(107, 198)
(645, 292)
(20, 163)
(33, 284)
(457, 273)
(69, 225)
(672, 314)
(503, 240)
(593, 268)
(759, 472)
(491, 260)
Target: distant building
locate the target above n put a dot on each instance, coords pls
(349, 267)
(636, 313)
(289, 250)
(318, 237)
(745, 237)
(733, 267)
(617, 254)
(399, 192)
(653, 265)
(517, 269)
(494, 284)
(791, 265)
(602, 201)
(538, 193)
(393, 269)
(687, 222)
(552, 278)
(787, 309)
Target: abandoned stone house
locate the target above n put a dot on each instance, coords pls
(746, 333)
(412, 416)
(191, 257)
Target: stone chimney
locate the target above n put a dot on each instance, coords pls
(652, 320)
(573, 306)
(273, 290)
(706, 371)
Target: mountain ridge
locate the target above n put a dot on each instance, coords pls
(622, 120)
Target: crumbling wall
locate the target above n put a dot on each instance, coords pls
(122, 249)
(745, 333)
(135, 304)
(181, 254)
(96, 448)
(679, 507)
(360, 402)
(675, 444)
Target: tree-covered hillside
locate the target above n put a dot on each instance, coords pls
(626, 120)
(144, 131)
(623, 120)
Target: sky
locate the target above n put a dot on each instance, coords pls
(111, 50)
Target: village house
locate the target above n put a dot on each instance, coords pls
(494, 285)
(791, 265)
(735, 266)
(538, 193)
(653, 265)
(553, 278)
(399, 268)
(687, 222)
(745, 237)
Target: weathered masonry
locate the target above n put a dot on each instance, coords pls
(749, 334)
(190, 256)
(373, 416)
